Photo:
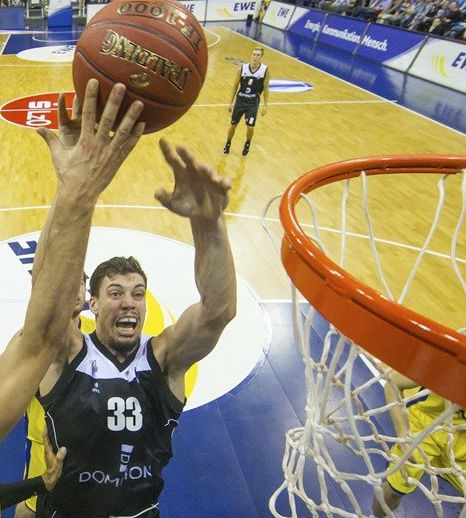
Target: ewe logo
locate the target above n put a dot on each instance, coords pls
(438, 64)
(168, 264)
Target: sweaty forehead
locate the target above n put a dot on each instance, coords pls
(127, 280)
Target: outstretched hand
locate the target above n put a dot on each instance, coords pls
(86, 157)
(198, 192)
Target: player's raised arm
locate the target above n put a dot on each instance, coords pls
(201, 196)
(83, 172)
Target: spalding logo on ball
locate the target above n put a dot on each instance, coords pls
(156, 48)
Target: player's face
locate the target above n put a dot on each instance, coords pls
(120, 310)
(256, 57)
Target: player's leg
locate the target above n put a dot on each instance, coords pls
(250, 118)
(235, 118)
(458, 448)
(391, 497)
(397, 483)
(231, 132)
(249, 135)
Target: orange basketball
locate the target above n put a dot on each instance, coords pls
(156, 48)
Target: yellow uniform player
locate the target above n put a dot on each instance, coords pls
(436, 447)
(35, 420)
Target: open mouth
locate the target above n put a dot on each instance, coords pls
(127, 323)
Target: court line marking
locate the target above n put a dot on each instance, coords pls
(300, 103)
(256, 218)
(54, 41)
(221, 105)
(219, 38)
(41, 64)
(340, 79)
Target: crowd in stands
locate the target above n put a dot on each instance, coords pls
(441, 17)
(445, 18)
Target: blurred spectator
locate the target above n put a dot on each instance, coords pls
(457, 31)
(440, 17)
(429, 9)
(453, 13)
(415, 6)
(424, 23)
(438, 26)
(342, 6)
(375, 8)
(391, 16)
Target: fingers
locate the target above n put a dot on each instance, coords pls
(187, 157)
(45, 437)
(77, 108)
(133, 138)
(111, 108)
(61, 454)
(50, 138)
(63, 118)
(164, 197)
(89, 107)
(182, 159)
(171, 157)
(128, 128)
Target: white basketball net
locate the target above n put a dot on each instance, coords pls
(347, 437)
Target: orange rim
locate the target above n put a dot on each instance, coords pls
(429, 353)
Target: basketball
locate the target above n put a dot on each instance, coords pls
(157, 49)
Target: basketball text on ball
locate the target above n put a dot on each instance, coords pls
(166, 13)
(120, 47)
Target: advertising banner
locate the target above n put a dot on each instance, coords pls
(197, 8)
(278, 14)
(443, 62)
(229, 10)
(393, 47)
(12, 18)
(342, 32)
(60, 13)
(307, 23)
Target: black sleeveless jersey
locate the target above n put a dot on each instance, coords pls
(116, 421)
(251, 83)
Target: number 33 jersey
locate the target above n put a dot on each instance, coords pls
(116, 421)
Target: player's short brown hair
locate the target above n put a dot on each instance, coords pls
(114, 266)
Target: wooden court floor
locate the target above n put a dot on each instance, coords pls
(334, 121)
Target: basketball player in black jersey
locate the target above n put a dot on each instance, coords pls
(115, 399)
(251, 81)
